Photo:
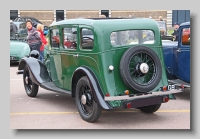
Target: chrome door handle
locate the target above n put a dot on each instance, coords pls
(75, 55)
(178, 50)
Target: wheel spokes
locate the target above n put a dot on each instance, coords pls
(28, 81)
(138, 74)
(88, 106)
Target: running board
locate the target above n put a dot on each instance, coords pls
(179, 83)
(128, 97)
(51, 87)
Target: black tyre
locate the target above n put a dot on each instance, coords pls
(140, 69)
(30, 87)
(88, 109)
(150, 109)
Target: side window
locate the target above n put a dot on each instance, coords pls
(22, 20)
(55, 40)
(87, 39)
(22, 30)
(70, 38)
(22, 26)
(185, 36)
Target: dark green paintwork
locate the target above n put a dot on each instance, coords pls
(63, 64)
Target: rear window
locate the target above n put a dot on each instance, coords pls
(130, 37)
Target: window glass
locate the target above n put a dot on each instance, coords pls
(130, 37)
(186, 36)
(55, 40)
(70, 38)
(87, 39)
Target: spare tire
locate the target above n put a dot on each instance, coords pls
(140, 69)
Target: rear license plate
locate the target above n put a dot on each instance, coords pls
(171, 87)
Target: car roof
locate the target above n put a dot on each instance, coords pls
(18, 22)
(26, 17)
(159, 21)
(111, 23)
(185, 23)
(29, 18)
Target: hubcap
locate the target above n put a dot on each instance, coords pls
(26, 80)
(144, 68)
(83, 99)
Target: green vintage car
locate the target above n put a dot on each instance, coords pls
(18, 48)
(114, 67)
(18, 45)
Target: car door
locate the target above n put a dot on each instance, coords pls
(69, 53)
(183, 54)
(55, 58)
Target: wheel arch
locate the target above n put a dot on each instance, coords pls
(98, 94)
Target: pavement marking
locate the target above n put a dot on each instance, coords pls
(41, 113)
(44, 113)
(173, 111)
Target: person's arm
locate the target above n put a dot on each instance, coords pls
(44, 40)
(37, 35)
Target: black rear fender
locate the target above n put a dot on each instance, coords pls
(98, 94)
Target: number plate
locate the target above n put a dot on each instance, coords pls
(12, 58)
(171, 87)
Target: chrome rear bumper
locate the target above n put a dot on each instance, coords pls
(128, 97)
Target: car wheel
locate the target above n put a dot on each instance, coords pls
(30, 87)
(88, 109)
(140, 69)
(150, 109)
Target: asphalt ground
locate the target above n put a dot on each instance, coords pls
(50, 110)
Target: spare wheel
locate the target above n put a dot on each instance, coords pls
(140, 69)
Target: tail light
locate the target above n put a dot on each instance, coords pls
(107, 94)
(128, 105)
(165, 99)
(126, 92)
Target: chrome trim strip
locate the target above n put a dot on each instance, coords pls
(187, 86)
(126, 97)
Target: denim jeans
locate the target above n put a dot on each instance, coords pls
(35, 47)
(42, 56)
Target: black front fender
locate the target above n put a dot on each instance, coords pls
(37, 70)
(98, 93)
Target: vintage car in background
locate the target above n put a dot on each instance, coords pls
(177, 57)
(18, 45)
(18, 48)
(103, 70)
(25, 18)
(163, 31)
(34, 21)
(22, 30)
